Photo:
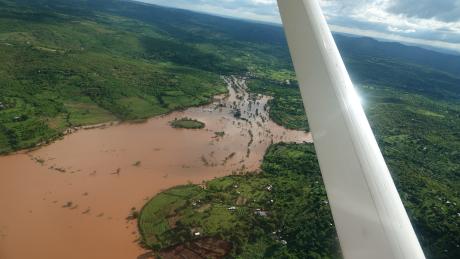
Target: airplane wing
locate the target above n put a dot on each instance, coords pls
(370, 218)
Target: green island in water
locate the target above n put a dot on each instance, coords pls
(187, 123)
(100, 61)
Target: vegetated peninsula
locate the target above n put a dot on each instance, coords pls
(281, 212)
(69, 63)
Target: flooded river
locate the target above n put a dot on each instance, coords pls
(70, 199)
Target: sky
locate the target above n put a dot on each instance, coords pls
(427, 22)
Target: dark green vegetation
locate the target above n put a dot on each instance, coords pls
(68, 63)
(418, 132)
(409, 68)
(280, 213)
(367, 47)
(64, 65)
(187, 123)
(420, 140)
(286, 107)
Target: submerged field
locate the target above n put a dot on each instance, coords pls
(87, 186)
(69, 63)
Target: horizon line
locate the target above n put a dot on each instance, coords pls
(431, 45)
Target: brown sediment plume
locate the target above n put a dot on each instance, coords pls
(169, 157)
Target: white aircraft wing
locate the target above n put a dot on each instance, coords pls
(370, 218)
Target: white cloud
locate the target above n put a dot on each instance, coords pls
(265, 2)
(442, 10)
(382, 18)
(396, 29)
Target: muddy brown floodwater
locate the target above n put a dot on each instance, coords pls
(70, 199)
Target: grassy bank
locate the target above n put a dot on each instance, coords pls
(280, 213)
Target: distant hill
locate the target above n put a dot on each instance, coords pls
(364, 46)
(266, 33)
(370, 61)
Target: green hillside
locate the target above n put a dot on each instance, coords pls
(68, 69)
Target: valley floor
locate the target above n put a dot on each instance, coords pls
(75, 195)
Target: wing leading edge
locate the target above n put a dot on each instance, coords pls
(370, 218)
